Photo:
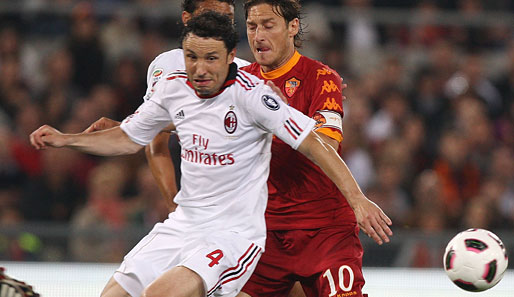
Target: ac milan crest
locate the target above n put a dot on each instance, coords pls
(291, 86)
(230, 122)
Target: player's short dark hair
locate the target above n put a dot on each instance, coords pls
(212, 24)
(192, 5)
(288, 9)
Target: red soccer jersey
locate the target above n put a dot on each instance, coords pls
(301, 196)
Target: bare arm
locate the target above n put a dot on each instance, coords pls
(370, 217)
(161, 165)
(110, 142)
(102, 124)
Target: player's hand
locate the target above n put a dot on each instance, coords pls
(47, 136)
(372, 220)
(277, 90)
(101, 124)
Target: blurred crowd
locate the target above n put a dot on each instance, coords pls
(428, 125)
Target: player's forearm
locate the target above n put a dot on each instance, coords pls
(326, 157)
(163, 170)
(110, 142)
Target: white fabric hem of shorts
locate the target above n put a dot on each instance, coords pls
(128, 283)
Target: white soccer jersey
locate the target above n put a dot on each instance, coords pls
(168, 62)
(226, 141)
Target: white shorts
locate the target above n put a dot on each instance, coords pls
(223, 259)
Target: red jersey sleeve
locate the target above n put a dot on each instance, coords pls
(327, 102)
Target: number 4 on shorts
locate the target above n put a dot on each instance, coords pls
(215, 257)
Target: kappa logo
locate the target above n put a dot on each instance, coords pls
(180, 115)
(331, 104)
(270, 102)
(323, 72)
(329, 87)
(291, 86)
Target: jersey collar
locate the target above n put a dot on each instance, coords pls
(283, 69)
(231, 79)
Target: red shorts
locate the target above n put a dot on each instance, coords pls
(327, 262)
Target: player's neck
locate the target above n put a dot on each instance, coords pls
(283, 69)
(280, 63)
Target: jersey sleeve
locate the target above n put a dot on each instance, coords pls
(327, 103)
(153, 75)
(149, 119)
(163, 64)
(241, 63)
(271, 114)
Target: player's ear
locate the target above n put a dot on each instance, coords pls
(186, 16)
(231, 56)
(294, 27)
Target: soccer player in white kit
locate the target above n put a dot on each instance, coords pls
(225, 119)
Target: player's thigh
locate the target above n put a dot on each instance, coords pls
(342, 279)
(155, 254)
(338, 265)
(113, 289)
(177, 282)
(224, 261)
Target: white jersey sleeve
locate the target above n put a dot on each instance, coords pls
(272, 114)
(149, 119)
(241, 63)
(163, 64)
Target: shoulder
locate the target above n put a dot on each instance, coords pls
(240, 62)
(168, 61)
(247, 81)
(252, 68)
(177, 75)
(320, 71)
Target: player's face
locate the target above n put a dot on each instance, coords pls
(207, 63)
(270, 37)
(210, 5)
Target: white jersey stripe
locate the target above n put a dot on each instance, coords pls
(296, 125)
(245, 79)
(245, 86)
(240, 269)
(288, 130)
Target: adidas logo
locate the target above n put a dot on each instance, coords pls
(180, 115)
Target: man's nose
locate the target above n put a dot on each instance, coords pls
(259, 34)
(201, 68)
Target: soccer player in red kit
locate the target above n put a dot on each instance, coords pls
(312, 229)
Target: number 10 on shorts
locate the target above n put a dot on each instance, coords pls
(215, 257)
(332, 284)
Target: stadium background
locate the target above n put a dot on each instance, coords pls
(428, 126)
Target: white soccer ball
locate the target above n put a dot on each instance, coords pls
(475, 260)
